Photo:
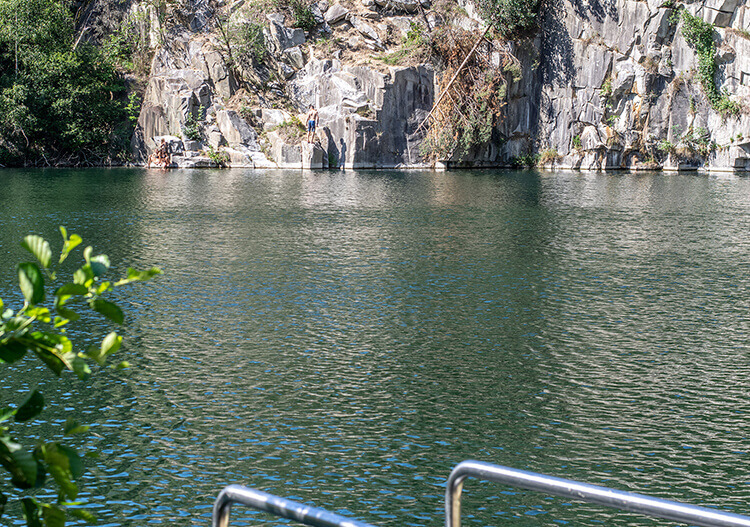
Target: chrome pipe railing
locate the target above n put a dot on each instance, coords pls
(282, 507)
(638, 503)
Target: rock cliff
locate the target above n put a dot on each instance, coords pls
(604, 84)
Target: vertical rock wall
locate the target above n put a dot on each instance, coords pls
(619, 90)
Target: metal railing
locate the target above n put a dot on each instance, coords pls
(282, 507)
(627, 501)
(566, 488)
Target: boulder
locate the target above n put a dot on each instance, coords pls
(406, 6)
(367, 31)
(279, 37)
(236, 130)
(312, 156)
(336, 13)
(294, 57)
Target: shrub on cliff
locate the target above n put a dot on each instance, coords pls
(511, 18)
(699, 34)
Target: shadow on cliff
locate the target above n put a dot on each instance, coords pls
(557, 66)
(595, 9)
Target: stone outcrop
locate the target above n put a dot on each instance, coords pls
(606, 85)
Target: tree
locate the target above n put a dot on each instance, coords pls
(57, 100)
(36, 331)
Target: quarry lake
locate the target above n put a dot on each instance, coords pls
(346, 338)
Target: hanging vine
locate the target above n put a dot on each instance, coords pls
(474, 88)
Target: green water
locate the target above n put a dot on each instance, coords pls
(346, 338)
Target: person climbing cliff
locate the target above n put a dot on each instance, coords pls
(312, 122)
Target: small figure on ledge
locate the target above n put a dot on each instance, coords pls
(312, 122)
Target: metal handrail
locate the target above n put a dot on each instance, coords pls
(282, 507)
(566, 488)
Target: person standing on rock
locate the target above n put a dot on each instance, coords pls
(312, 121)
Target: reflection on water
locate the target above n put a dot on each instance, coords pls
(346, 338)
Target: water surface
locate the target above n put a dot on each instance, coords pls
(346, 338)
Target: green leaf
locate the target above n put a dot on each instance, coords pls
(84, 275)
(72, 427)
(135, 275)
(53, 516)
(87, 253)
(20, 464)
(32, 283)
(71, 289)
(63, 464)
(81, 368)
(39, 247)
(99, 264)
(103, 288)
(53, 349)
(64, 311)
(123, 365)
(52, 361)
(31, 407)
(31, 512)
(6, 413)
(12, 351)
(110, 344)
(83, 514)
(108, 309)
(69, 243)
(75, 463)
(40, 313)
(60, 322)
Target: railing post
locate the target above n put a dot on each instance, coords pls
(566, 488)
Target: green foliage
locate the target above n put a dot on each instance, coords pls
(290, 130)
(665, 146)
(577, 142)
(219, 157)
(39, 331)
(415, 47)
(128, 46)
(251, 41)
(526, 160)
(300, 11)
(514, 69)
(302, 14)
(192, 129)
(548, 156)
(700, 36)
(511, 18)
(133, 109)
(55, 100)
(475, 91)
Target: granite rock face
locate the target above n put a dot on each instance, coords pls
(368, 119)
(604, 85)
(617, 87)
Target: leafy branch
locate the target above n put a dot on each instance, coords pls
(40, 330)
